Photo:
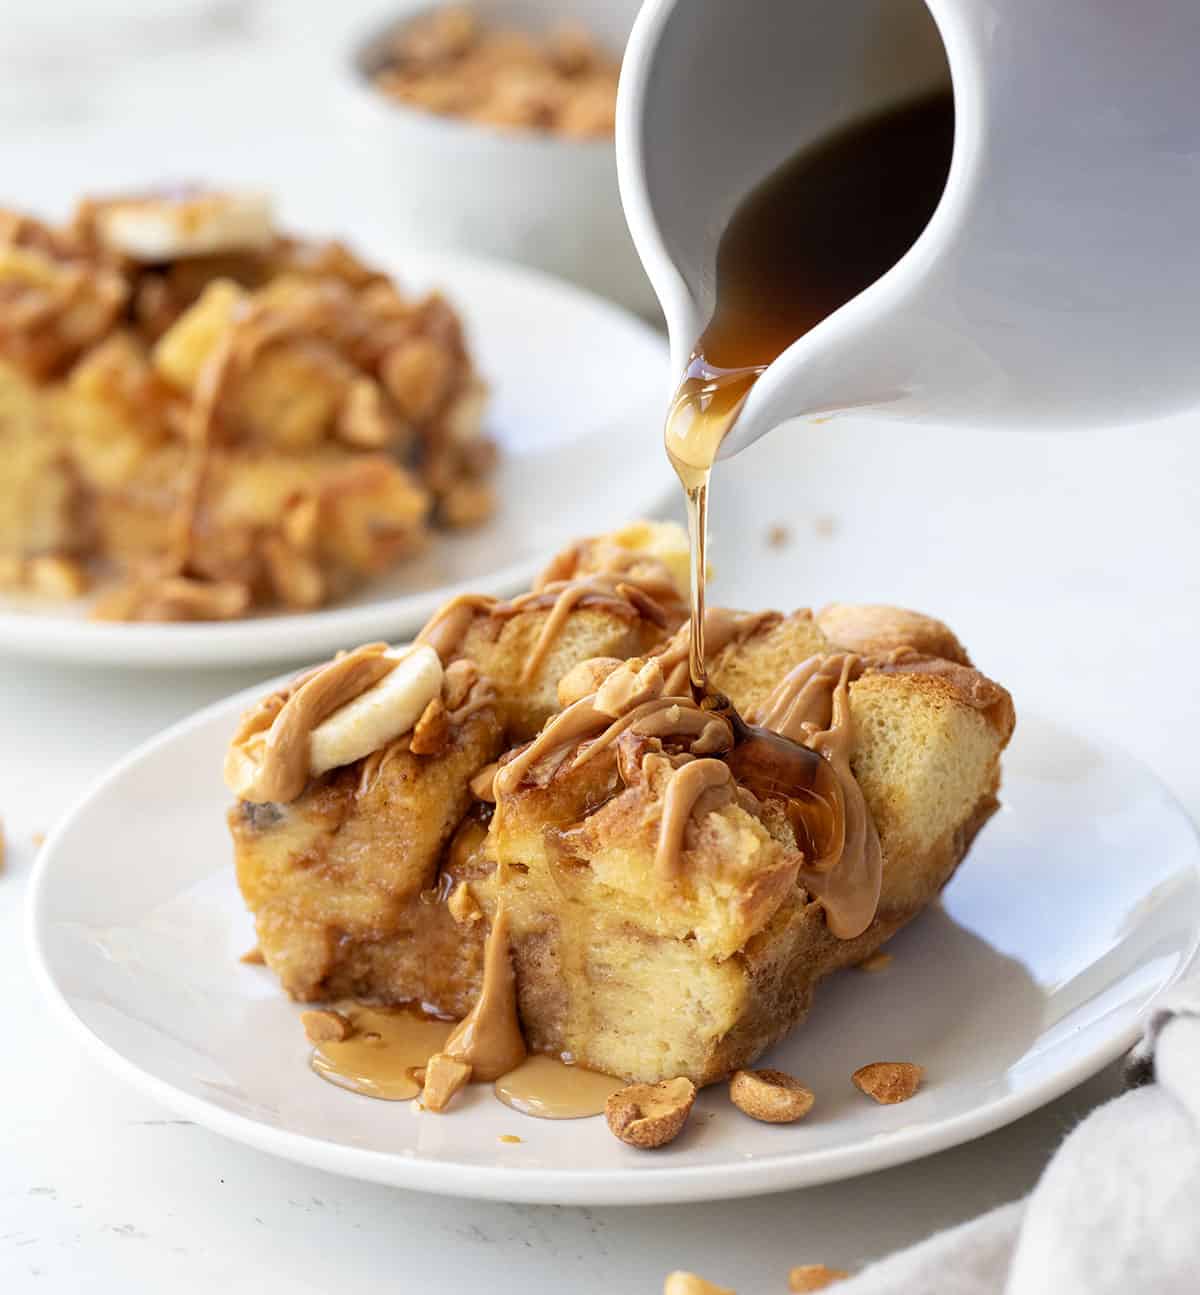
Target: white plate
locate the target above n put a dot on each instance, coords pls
(578, 395)
(1078, 904)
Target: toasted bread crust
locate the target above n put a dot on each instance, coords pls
(784, 966)
(959, 684)
(872, 629)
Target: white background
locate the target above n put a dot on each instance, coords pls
(1067, 565)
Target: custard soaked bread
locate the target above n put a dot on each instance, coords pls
(674, 878)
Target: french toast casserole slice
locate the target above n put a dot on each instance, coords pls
(667, 915)
(210, 426)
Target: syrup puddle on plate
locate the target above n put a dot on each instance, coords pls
(549, 1089)
(390, 1043)
(387, 1045)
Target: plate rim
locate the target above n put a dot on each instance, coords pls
(287, 636)
(585, 1187)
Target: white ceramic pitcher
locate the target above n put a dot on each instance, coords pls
(1058, 281)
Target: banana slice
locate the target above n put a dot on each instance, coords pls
(165, 227)
(381, 714)
(666, 541)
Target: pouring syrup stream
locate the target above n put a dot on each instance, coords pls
(814, 234)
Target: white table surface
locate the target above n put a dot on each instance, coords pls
(1066, 565)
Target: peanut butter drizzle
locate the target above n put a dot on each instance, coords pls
(387, 1045)
(210, 385)
(489, 1037)
(797, 705)
(630, 700)
(687, 785)
(592, 731)
(550, 1089)
(607, 590)
(268, 759)
(619, 590)
(799, 756)
(258, 327)
(447, 627)
(570, 726)
(812, 704)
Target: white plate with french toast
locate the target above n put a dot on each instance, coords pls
(628, 891)
(377, 434)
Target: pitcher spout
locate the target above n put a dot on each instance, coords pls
(1055, 283)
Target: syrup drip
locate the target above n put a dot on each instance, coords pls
(817, 232)
(776, 768)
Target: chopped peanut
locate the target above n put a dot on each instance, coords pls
(889, 1082)
(432, 732)
(444, 1076)
(326, 1026)
(463, 905)
(481, 784)
(770, 1095)
(682, 1283)
(459, 678)
(814, 1277)
(585, 678)
(650, 1115)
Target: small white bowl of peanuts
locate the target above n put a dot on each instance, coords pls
(489, 126)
